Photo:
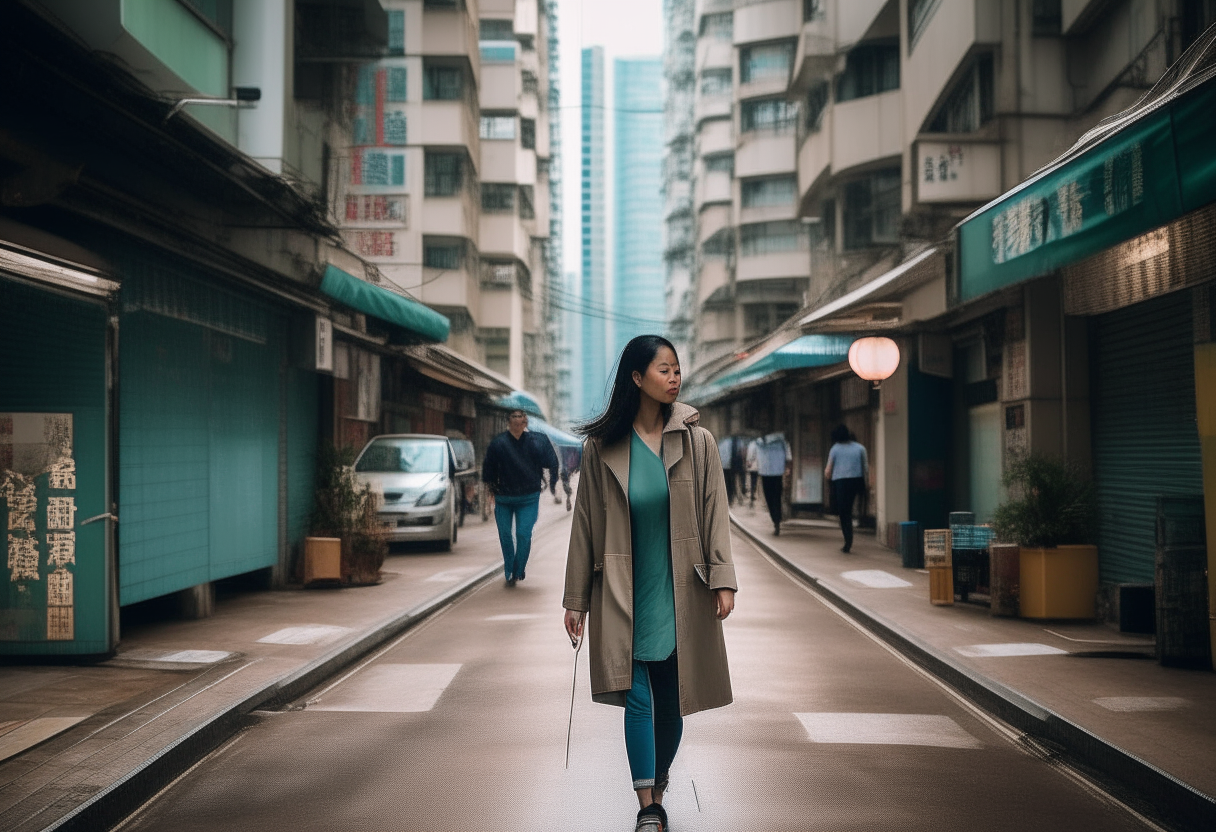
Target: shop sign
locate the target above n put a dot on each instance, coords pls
(324, 344)
(957, 172)
(1142, 177)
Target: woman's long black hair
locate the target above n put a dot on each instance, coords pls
(617, 419)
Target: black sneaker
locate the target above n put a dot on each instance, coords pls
(511, 581)
(520, 576)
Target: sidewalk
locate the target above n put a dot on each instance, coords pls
(83, 746)
(1095, 695)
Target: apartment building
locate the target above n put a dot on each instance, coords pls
(446, 189)
(952, 162)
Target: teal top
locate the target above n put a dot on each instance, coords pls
(654, 605)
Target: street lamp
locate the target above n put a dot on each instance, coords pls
(874, 358)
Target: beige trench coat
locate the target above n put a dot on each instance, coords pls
(599, 566)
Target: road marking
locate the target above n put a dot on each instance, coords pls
(1129, 704)
(27, 734)
(391, 689)
(887, 729)
(175, 656)
(307, 634)
(516, 616)
(450, 575)
(875, 579)
(1015, 649)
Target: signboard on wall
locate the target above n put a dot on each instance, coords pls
(953, 172)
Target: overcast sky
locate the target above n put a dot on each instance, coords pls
(623, 28)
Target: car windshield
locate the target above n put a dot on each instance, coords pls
(404, 456)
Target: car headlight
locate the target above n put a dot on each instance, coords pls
(433, 497)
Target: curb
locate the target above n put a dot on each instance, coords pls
(108, 807)
(1142, 785)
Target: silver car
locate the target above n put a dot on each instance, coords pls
(412, 477)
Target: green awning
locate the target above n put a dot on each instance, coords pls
(385, 305)
(807, 351)
(1137, 171)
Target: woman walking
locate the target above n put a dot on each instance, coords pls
(847, 470)
(650, 563)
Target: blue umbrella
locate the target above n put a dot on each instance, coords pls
(519, 400)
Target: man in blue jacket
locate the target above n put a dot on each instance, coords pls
(513, 471)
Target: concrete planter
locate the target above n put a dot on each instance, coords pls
(1060, 582)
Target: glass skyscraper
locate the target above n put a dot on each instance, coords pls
(639, 289)
(594, 360)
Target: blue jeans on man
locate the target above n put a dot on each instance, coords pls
(523, 510)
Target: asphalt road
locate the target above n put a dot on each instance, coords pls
(461, 725)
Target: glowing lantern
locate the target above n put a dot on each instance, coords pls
(874, 358)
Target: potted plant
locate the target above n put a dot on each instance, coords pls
(1050, 515)
(343, 524)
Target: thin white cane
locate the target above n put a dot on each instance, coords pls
(578, 645)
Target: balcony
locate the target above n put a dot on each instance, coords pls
(768, 213)
(712, 186)
(715, 136)
(712, 106)
(766, 20)
(451, 124)
(712, 220)
(449, 287)
(764, 152)
(773, 265)
(944, 42)
(714, 54)
(815, 55)
(500, 87)
(503, 235)
(450, 32)
(762, 88)
(866, 130)
(815, 157)
(716, 326)
(713, 276)
(451, 216)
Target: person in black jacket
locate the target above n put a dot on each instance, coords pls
(513, 470)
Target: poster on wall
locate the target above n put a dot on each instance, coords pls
(37, 494)
(808, 486)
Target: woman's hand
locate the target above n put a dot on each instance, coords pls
(726, 602)
(574, 625)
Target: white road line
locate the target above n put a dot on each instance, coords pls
(449, 575)
(306, 634)
(887, 729)
(1133, 704)
(392, 688)
(977, 651)
(874, 579)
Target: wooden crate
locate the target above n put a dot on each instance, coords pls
(941, 585)
(937, 548)
(322, 559)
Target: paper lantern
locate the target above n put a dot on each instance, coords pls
(874, 358)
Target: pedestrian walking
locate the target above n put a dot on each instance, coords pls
(726, 453)
(738, 465)
(752, 465)
(848, 469)
(650, 546)
(773, 458)
(513, 471)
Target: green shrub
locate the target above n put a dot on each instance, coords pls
(1051, 503)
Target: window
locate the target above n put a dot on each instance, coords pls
(527, 202)
(771, 238)
(498, 127)
(871, 210)
(497, 198)
(775, 190)
(828, 211)
(869, 70)
(919, 14)
(395, 85)
(396, 32)
(762, 318)
(443, 256)
(718, 26)
(442, 83)
(527, 133)
(493, 28)
(970, 104)
(529, 82)
(443, 174)
(497, 53)
(812, 10)
(498, 353)
(1045, 20)
(765, 63)
(774, 114)
(715, 82)
(394, 127)
(816, 104)
(498, 274)
(724, 162)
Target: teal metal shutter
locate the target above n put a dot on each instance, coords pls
(1145, 442)
(53, 361)
(199, 433)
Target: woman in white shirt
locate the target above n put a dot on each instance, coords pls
(847, 470)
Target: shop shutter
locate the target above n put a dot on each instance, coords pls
(1145, 442)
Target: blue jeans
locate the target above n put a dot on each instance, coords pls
(653, 725)
(517, 547)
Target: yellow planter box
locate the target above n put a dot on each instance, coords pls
(1058, 583)
(322, 559)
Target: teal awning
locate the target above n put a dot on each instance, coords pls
(519, 400)
(1135, 172)
(559, 436)
(385, 305)
(807, 351)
